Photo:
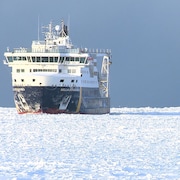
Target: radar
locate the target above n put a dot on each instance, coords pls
(57, 27)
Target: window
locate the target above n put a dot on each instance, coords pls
(67, 58)
(56, 59)
(38, 59)
(14, 58)
(60, 70)
(20, 70)
(76, 58)
(72, 80)
(44, 70)
(22, 80)
(33, 59)
(14, 80)
(82, 59)
(73, 71)
(29, 59)
(51, 59)
(62, 80)
(20, 58)
(61, 59)
(33, 80)
(10, 59)
(71, 58)
(44, 59)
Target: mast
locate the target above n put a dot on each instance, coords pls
(64, 30)
(38, 28)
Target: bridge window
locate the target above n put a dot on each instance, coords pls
(61, 59)
(53, 59)
(56, 59)
(71, 58)
(38, 59)
(82, 60)
(44, 59)
(33, 59)
(10, 59)
(67, 58)
(19, 58)
(14, 58)
(76, 58)
(29, 59)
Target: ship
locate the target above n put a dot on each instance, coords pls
(54, 76)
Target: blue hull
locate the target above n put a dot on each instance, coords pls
(56, 100)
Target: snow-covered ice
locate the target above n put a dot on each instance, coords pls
(128, 143)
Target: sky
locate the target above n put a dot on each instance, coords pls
(143, 35)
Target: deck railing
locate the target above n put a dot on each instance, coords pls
(61, 50)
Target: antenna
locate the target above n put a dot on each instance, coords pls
(68, 24)
(38, 27)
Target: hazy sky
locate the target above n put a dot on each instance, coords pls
(144, 36)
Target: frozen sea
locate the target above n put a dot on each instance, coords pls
(128, 143)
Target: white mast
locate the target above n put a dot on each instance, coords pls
(68, 24)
